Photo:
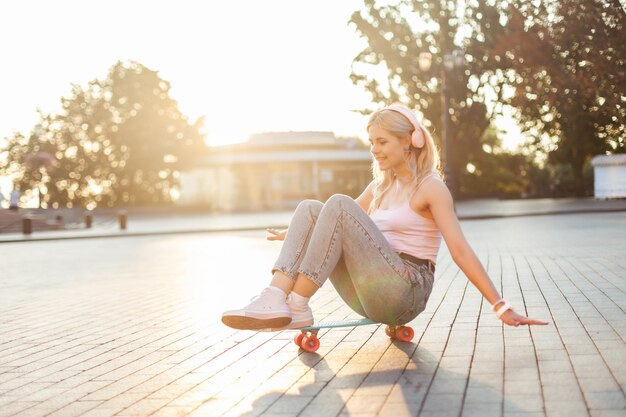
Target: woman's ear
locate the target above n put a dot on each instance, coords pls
(406, 142)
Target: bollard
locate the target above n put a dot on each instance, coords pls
(123, 216)
(27, 226)
(88, 221)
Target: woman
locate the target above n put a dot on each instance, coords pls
(379, 250)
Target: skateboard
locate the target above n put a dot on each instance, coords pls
(308, 340)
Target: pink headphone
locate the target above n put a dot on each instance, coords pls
(417, 138)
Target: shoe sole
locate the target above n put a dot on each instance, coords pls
(290, 326)
(251, 323)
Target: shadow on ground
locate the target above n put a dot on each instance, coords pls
(420, 386)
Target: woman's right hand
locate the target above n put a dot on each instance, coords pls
(276, 234)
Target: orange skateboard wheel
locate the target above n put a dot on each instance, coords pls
(298, 339)
(310, 344)
(404, 333)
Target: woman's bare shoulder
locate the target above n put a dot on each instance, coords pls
(433, 180)
(434, 189)
(420, 199)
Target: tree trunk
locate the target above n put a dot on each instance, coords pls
(579, 183)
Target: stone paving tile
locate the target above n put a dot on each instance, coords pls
(482, 410)
(565, 408)
(131, 328)
(607, 413)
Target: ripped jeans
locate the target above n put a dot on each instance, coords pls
(338, 240)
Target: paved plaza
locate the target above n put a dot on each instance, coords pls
(130, 326)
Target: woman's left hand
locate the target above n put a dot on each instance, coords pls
(277, 235)
(511, 318)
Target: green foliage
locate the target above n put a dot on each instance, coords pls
(496, 173)
(565, 59)
(119, 141)
(569, 58)
(397, 34)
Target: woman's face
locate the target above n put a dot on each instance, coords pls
(386, 148)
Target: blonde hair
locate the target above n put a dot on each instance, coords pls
(421, 162)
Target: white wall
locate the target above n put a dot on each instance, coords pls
(610, 181)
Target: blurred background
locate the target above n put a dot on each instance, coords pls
(248, 106)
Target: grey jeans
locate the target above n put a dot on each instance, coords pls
(338, 240)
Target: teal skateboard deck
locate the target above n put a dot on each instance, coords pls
(340, 323)
(308, 340)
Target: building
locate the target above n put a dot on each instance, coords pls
(275, 171)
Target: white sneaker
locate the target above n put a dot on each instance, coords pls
(267, 310)
(301, 315)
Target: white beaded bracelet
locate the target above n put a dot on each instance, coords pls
(504, 307)
(493, 306)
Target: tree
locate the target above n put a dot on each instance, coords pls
(569, 59)
(30, 161)
(498, 173)
(397, 34)
(120, 140)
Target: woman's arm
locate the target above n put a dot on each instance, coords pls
(366, 197)
(442, 208)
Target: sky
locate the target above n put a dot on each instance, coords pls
(248, 66)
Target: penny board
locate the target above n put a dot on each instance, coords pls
(340, 323)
